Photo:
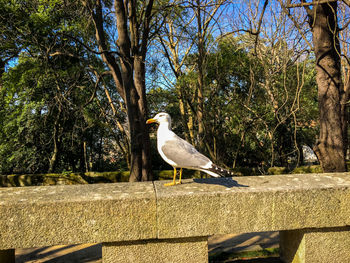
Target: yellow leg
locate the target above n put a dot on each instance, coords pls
(173, 182)
(179, 182)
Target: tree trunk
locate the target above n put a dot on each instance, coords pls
(56, 143)
(136, 133)
(332, 143)
(183, 112)
(54, 157)
(140, 85)
(200, 80)
(128, 73)
(132, 105)
(86, 161)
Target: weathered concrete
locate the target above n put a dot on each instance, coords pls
(252, 204)
(132, 214)
(331, 245)
(73, 214)
(194, 250)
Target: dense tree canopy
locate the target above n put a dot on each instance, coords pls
(79, 78)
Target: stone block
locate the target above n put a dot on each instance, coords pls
(194, 250)
(73, 214)
(331, 245)
(203, 207)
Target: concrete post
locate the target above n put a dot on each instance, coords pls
(7, 256)
(331, 245)
(157, 250)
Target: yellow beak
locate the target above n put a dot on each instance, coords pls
(150, 121)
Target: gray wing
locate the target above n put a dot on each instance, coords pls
(184, 154)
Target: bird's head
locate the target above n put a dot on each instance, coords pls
(160, 118)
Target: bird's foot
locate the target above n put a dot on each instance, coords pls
(172, 183)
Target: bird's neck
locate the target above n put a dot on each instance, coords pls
(164, 133)
(164, 126)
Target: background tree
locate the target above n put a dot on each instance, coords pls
(332, 143)
(176, 43)
(49, 122)
(125, 59)
(187, 36)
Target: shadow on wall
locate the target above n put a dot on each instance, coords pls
(260, 247)
(225, 181)
(223, 248)
(91, 253)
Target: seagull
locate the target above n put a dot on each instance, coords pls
(179, 153)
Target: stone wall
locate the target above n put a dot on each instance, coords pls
(147, 218)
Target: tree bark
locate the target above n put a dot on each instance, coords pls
(200, 80)
(332, 143)
(131, 95)
(56, 143)
(140, 85)
(138, 40)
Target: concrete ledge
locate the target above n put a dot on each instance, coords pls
(72, 214)
(135, 213)
(252, 204)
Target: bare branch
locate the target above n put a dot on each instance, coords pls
(347, 2)
(296, 24)
(317, 2)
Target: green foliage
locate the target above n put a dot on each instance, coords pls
(17, 180)
(243, 126)
(277, 170)
(68, 178)
(51, 106)
(51, 103)
(307, 169)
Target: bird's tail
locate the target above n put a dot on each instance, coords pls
(217, 171)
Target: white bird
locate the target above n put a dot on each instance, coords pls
(179, 153)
